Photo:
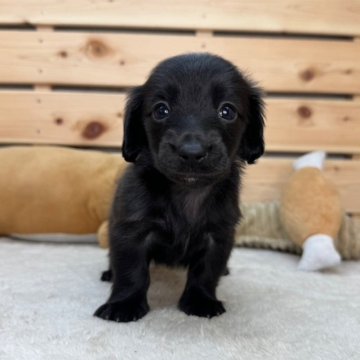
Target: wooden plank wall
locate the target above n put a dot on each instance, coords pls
(65, 67)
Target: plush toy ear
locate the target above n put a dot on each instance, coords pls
(134, 132)
(252, 144)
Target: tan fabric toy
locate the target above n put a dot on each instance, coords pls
(311, 213)
(47, 190)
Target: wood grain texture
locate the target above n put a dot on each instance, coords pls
(42, 117)
(62, 117)
(264, 181)
(313, 124)
(104, 59)
(89, 119)
(283, 16)
(357, 101)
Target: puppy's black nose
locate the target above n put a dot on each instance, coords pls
(194, 151)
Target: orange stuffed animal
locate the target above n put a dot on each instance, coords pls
(311, 213)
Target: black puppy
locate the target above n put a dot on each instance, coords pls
(188, 130)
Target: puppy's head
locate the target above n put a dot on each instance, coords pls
(195, 116)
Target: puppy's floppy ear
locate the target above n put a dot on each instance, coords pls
(134, 132)
(252, 143)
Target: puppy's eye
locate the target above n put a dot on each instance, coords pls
(161, 111)
(228, 112)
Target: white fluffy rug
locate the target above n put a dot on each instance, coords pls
(48, 293)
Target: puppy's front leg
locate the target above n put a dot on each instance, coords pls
(130, 270)
(199, 296)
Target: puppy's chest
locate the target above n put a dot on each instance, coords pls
(190, 206)
(184, 229)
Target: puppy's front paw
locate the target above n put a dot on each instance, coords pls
(123, 311)
(199, 304)
(106, 275)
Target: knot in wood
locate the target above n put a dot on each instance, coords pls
(307, 74)
(304, 111)
(96, 48)
(93, 130)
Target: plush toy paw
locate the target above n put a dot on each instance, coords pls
(123, 311)
(195, 302)
(314, 159)
(319, 253)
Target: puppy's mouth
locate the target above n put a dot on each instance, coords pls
(193, 180)
(189, 179)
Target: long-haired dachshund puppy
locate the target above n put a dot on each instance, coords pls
(188, 131)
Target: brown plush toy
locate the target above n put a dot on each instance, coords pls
(52, 190)
(311, 213)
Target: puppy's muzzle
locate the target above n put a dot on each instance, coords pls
(192, 157)
(192, 151)
(191, 148)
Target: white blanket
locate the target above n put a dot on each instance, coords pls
(48, 293)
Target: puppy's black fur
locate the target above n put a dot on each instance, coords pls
(188, 132)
